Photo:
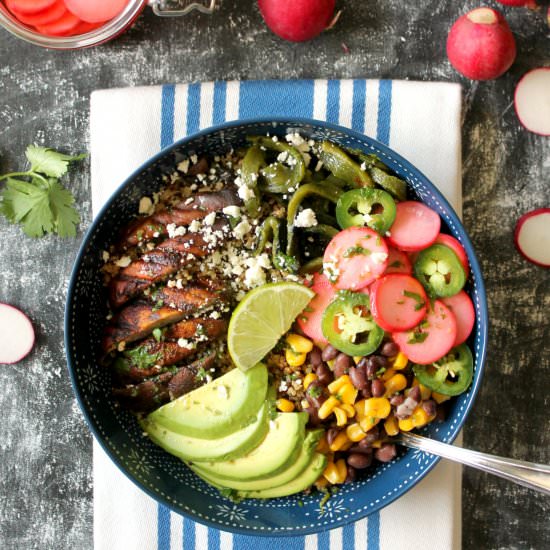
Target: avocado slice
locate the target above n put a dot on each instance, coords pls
(293, 470)
(226, 448)
(281, 446)
(301, 482)
(217, 409)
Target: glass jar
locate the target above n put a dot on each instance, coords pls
(111, 29)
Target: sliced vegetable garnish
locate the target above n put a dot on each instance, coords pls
(16, 334)
(371, 207)
(48, 15)
(457, 248)
(398, 302)
(310, 319)
(354, 258)
(342, 166)
(348, 324)
(440, 271)
(463, 309)
(532, 236)
(416, 226)
(252, 162)
(398, 262)
(451, 375)
(432, 338)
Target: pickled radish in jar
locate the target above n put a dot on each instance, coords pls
(96, 11)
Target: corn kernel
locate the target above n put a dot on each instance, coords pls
(341, 381)
(341, 416)
(348, 393)
(322, 482)
(299, 344)
(308, 379)
(295, 359)
(391, 426)
(425, 392)
(406, 424)
(331, 364)
(322, 446)
(355, 433)
(377, 407)
(284, 405)
(339, 441)
(400, 361)
(439, 397)
(325, 410)
(368, 422)
(348, 409)
(388, 374)
(357, 358)
(336, 472)
(377, 444)
(359, 407)
(395, 384)
(420, 417)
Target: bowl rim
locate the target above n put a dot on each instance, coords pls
(289, 122)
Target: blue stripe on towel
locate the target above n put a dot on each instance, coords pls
(163, 528)
(358, 111)
(193, 108)
(189, 534)
(245, 542)
(214, 539)
(333, 101)
(323, 541)
(276, 98)
(348, 537)
(373, 531)
(220, 92)
(384, 111)
(167, 115)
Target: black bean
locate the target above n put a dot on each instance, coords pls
(377, 388)
(366, 393)
(351, 475)
(329, 353)
(315, 397)
(396, 400)
(430, 406)
(389, 349)
(324, 374)
(313, 413)
(359, 460)
(374, 364)
(441, 414)
(359, 449)
(386, 453)
(315, 358)
(372, 435)
(332, 433)
(414, 393)
(341, 365)
(358, 378)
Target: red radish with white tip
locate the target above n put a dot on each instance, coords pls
(532, 101)
(519, 3)
(481, 45)
(16, 335)
(532, 236)
(297, 20)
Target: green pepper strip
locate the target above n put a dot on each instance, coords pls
(323, 230)
(280, 178)
(270, 230)
(458, 363)
(252, 162)
(342, 166)
(330, 193)
(313, 266)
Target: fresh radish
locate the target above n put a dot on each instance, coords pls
(398, 302)
(354, 258)
(415, 227)
(532, 236)
(463, 309)
(532, 101)
(310, 319)
(481, 45)
(96, 11)
(432, 339)
(297, 20)
(61, 27)
(16, 335)
(457, 248)
(31, 6)
(49, 15)
(519, 3)
(398, 262)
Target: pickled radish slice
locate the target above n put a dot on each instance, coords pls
(432, 339)
(310, 319)
(16, 335)
(457, 248)
(463, 309)
(398, 302)
(532, 236)
(416, 226)
(83, 28)
(96, 11)
(53, 13)
(62, 27)
(398, 262)
(31, 6)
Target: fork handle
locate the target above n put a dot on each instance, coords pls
(529, 474)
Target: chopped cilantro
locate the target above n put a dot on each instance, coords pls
(157, 334)
(314, 391)
(420, 303)
(141, 358)
(417, 337)
(201, 374)
(356, 251)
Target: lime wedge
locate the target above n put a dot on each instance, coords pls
(262, 317)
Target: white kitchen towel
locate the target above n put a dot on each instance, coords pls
(419, 120)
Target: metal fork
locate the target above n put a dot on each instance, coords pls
(529, 474)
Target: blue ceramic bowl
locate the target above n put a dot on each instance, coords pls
(161, 475)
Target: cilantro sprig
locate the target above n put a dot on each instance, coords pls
(35, 198)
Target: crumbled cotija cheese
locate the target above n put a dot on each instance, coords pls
(145, 205)
(306, 218)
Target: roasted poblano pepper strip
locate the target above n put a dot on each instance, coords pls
(313, 266)
(371, 207)
(451, 375)
(278, 177)
(322, 229)
(330, 193)
(342, 166)
(269, 231)
(251, 165)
